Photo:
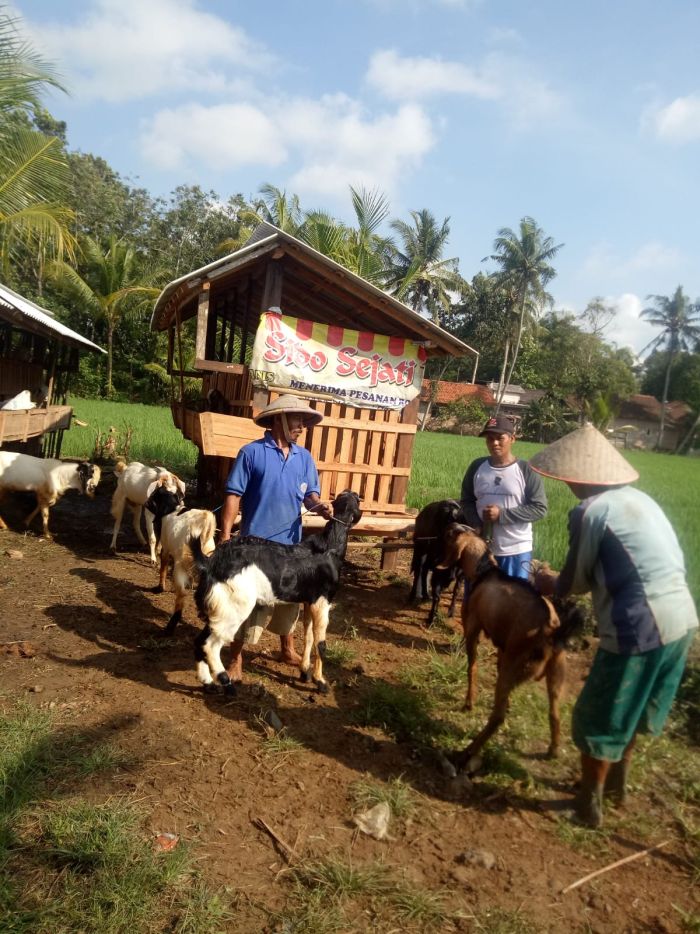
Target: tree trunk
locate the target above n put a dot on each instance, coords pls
(110, 340)
(688, 438)
(501, 380)
(664, 400)
(517, 346)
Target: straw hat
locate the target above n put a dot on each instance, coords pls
(288, 405)
(584, 456)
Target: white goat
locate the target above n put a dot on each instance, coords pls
(175, 525)
(134, 487)
(240, 575)
(48, 478)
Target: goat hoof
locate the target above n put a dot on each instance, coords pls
(158, 589)
(322, 687)
(210, 688)
(230, 689)
(304, 677)
(553, 752)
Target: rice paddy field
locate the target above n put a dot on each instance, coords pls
(439, 463)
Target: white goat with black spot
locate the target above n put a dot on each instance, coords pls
(255, 572)
(48, 478)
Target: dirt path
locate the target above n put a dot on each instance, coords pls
(200, 766)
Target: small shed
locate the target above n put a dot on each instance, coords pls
(37, 353)
(368, 450)
(636, 424)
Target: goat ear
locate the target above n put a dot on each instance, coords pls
(180, 485)
(151, 489)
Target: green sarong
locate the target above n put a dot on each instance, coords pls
(627, 694)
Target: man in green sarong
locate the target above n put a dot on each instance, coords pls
(623, 550)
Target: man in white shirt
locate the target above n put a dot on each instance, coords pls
(503, 496)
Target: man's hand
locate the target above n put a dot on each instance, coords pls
(491, 513)
(325, 510)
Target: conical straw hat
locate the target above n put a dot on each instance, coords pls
(584, 456)
(289, 405)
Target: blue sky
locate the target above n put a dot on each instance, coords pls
(584, 116)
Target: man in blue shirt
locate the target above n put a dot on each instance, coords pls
(269, 482)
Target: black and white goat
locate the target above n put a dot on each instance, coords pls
(174, 525)
(428, 551)
(134, 483)
(48, 478)
(255, 572)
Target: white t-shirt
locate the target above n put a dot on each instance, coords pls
(503, 487)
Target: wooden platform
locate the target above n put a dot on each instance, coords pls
(24, 424)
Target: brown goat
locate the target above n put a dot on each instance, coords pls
(522, 624)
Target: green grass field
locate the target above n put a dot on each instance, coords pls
(439, 463)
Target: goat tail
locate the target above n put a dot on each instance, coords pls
(201, 561)
(120, 467)
(572, 619)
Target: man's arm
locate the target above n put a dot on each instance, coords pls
(323, 509)
(468, 497)
(229, 514)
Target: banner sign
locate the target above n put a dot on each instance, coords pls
(368, 371)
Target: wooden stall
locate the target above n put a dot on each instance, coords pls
(218, 308)
(38, 354)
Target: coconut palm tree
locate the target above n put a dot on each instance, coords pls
(525, 269)
(111, 286)
(360, 249)
(679, 320)
(418, 274)
(33, 167)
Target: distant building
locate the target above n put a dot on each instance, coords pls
(637, 423)
(516, 399)
(451, 392)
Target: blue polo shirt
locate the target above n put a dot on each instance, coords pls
(272, 489)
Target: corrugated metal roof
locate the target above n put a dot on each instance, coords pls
(43, 321)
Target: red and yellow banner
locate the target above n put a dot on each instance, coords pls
(358, 368)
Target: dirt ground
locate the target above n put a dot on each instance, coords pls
(196, 764)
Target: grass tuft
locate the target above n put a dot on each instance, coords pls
(340, 654)
(74, 865)
(399, 795)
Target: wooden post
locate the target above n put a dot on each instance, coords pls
(272, 293)
(404, 456)
(202, 324)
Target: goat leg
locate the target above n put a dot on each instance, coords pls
(511, 673)
(136, 511)
(208, 647)
(318, 618)
(556, 676)
(460, 581)
(472, 631)
(308, 644)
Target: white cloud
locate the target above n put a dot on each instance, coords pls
(235, 135)
(525, 96)
(627, 328)
(128, 49)
(331, 142)
(400, 78)
(604, 261)
(677, 122)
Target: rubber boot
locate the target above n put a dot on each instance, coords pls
(588, 805)
(288, 652)
(616, 783)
